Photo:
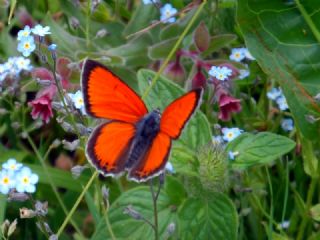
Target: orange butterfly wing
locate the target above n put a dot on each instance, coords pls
(109, 146)
(107, 96)
(178, 113)
(154, 160)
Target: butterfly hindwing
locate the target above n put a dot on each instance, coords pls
(178, 113)
(154, 160)
(107, 96)
(109, 145)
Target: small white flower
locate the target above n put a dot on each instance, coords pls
(217, 139)
(220, 73)
(23, 63)
(237, 54)
(26, 46)
(7, 181)
(274, 93)
(282, 103)
(232, 155)
(166, 12)
(77, 100)
(285, 224)
(169, 167)
(41, 31)
(244, 73)
(230, 134)
(24, 33)
(149, 1)
(26, 181)
(287, 124)
(11, 165)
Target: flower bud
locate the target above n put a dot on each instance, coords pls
(213, 167)
(74, 22)
(199, 79)
(71, 146)
(132, 213)
(12, 228)
(175, 71)
(18, 197)
(228, 105)
(77, 170)
(27, 213)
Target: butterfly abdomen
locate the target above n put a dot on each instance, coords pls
(146, 131)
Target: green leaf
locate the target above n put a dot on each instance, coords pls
(310, 161)
(315, 212)
(218, 42)
(125, 227)
(197, 132)
(142, 18)
(92, 208)
(214, 217)
(134, 52)
(288, 51)
(261, 148)
(162, 49)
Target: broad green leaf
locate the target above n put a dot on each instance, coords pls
(315, 212)
(213, 217)
(162, 49)
(285, 41)
(125, 227)
(67, 43)
(310, 161)
(134, 52)
(218, 42)
(141, 18)
(92, 208)
(197, 132)
(261, 148)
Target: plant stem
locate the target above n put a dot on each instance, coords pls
(54, 189)
(155, 209)
(308, 205)
(88, 23)
(286, 193)
(173, 50)
(113, 237)
(271, 201)
(85, 189)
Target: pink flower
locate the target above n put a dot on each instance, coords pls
(175, 71)
(42, 104)
(41, 107)
(228, 105)
(199, 80)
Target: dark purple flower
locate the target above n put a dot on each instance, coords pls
(199, 80)
(228, 105)
(175, 71)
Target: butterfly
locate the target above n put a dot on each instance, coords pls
(133, 139)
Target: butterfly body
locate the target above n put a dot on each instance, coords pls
(146, 130)
(134, 140)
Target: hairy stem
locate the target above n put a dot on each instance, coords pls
(85, 189)
(54, 188)
(173, 50)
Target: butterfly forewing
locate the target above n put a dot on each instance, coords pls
(108, 147)
(178, 113)
(107, 96)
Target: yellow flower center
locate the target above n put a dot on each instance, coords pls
(25, 34)
(25, 180)
(5, 180)
(221, 76)
(13, 167)
(230, 135)
(26, 45)
(237, 55)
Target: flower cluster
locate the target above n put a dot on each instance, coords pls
(16, 176)
(14, 66)
(220, 73)
(276, 95)
(26, 41)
